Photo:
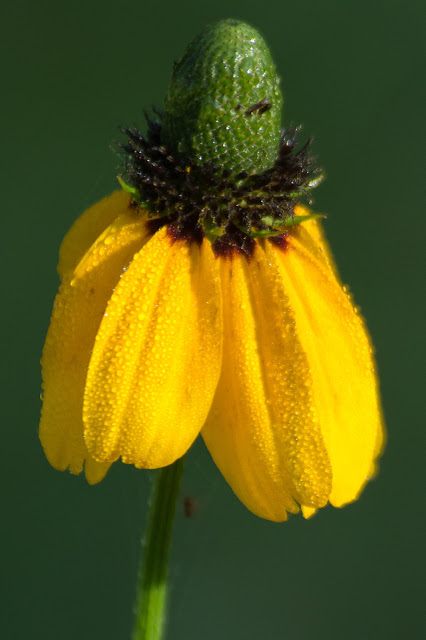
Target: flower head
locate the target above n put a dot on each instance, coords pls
(202, 298)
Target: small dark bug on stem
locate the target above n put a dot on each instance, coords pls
(259, 107)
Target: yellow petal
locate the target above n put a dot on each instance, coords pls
(340, 357)
(262, 430)
(157, 356)
(88, 227)
(77, 313)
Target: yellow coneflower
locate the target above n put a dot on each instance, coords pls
(202, 298)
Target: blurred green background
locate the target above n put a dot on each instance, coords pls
(351, 72)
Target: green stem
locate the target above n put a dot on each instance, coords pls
(151, 597)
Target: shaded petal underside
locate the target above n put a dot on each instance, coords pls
(157, 356)
(262, 430)
(87, 229)
(77, 313)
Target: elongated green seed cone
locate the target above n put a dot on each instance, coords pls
(223, 106)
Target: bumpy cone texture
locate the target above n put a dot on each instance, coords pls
(224, 103)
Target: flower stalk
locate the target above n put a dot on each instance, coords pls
(151, 596)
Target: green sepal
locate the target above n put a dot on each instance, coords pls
(292, 221)
(260, 233)
(129, 189)
(212, 231)
(266, 233)
(315, 182)
(276, 226)
(272, 222)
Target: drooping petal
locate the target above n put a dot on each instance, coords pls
(157, 356)
(308, 512)
(262, 430)
(77, 313)
(335, 340)
(88, 227)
